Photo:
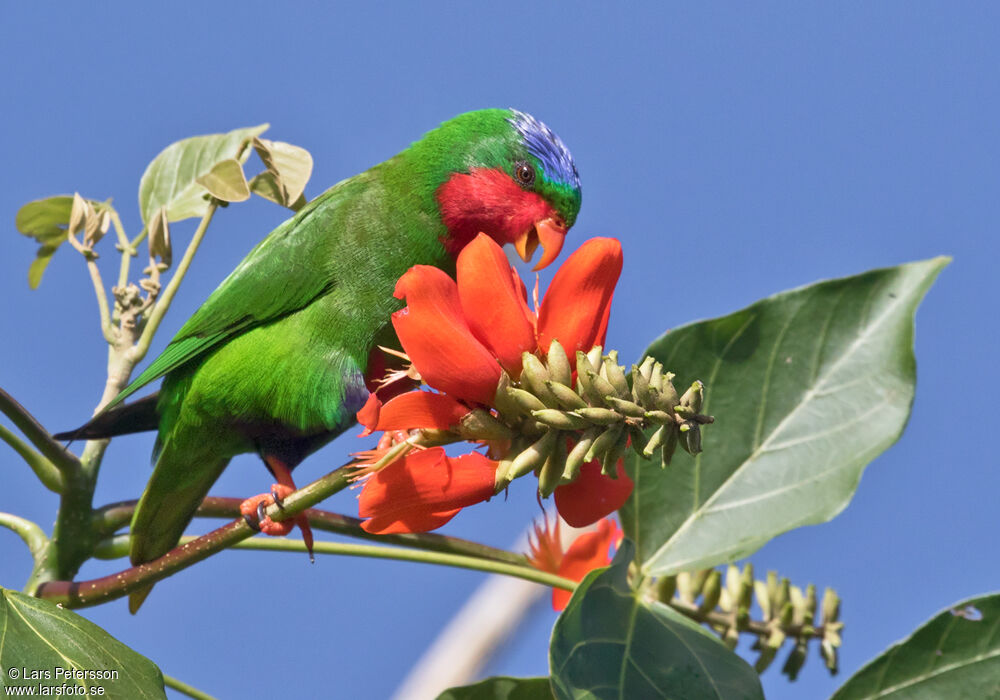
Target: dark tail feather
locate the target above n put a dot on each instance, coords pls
(136, 417)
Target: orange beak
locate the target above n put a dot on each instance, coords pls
(549, 233)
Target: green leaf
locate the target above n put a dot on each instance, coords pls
(171, 180)
(501, 688)
(226, 181)
(955, 655)
(42, 640)
(46, 220)
(610, 644)
(807, 387)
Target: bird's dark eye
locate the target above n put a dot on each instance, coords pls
(524, 174)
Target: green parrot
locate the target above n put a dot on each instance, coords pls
(278, 360)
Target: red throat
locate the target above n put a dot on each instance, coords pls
(487, 201)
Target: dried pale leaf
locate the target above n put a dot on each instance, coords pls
(226, 181)
(159, 237)
(46, 220)
(78, 214)
(266, 185)
(93, 225)
(291, 166)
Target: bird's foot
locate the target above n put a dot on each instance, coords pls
(253, 510)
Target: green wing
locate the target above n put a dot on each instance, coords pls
(285, 272)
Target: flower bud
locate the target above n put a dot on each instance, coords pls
(746, 590)
(690, 438)
(798, 605)
(609, 463)
(615, 375)
(666, 586)
(504, 403)
(829, 653)
(694, 396)
(658, 417)
(577, 456)
(763, 600)
(640, 387)
(604, 442)
(656, 376)
(552, 469)
(533, 378)
(502, 479)
(711, 591)
(560, 419)
(666, 396)
(566, 397)
(796, 659)
(584, 369)
(646, 368)
(669, 446)
(527, 402)
(830, 606)
(594, 356)
(534, 455)
(638, 440)
(626, 407)
(655, 440)
(601, 385)
(599, 416)
(558, 364)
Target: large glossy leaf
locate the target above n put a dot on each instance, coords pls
(171, 179)
(954, 655)
(501, 688)
(807, 387)
(610, 644)
(44, 645)
(46, 220)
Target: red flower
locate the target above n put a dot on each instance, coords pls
(458, 334)
(424, 490)
(589, 551)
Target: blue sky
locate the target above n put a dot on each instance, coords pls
(735, 151)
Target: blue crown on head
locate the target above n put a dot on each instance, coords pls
(543, 144)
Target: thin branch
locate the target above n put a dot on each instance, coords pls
(102, 301)
(45, 470)
(116, 515)
(127, 248)
(523, 571)
(182, 687)
(163, 303)
(78, 594)
(63, 459)
(32, 535)
(118, 546)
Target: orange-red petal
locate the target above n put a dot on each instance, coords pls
(589, 551)
(576, 306)
(546, 545)
(593, 495)
(420, 409)
(494, 304)
(424, 490)
(368, 415)
(436, 336)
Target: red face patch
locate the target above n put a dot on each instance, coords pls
(487, 201)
